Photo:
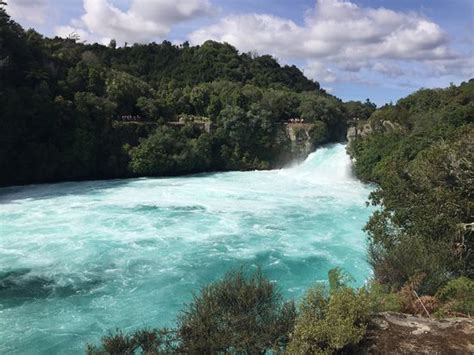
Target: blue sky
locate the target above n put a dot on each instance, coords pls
(357, 49)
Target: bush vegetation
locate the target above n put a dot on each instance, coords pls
(144, 341)
(424, 172)
(241, 313)
(244, 313)
(330, 319)
(457, 297)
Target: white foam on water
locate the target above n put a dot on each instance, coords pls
(79, 259)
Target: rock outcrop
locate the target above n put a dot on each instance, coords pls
(362, 130)
(300, 137)
(396, 333)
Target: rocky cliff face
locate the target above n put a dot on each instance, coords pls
(362, 130)
(298, 143)
(395, 333)
(300, 137)
(354, 132)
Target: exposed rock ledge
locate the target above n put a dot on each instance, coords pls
(361, 129)
(396, 333)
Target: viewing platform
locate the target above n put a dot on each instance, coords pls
(295, 127)
(204, 123)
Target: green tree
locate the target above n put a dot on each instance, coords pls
(330, 320)
(240, 313)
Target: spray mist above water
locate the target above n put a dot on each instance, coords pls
(80, 259)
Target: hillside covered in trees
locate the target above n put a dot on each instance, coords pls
(72, 111)
(421, 153)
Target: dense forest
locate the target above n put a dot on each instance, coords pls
(73, 111)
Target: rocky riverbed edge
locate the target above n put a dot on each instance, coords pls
(398, 333)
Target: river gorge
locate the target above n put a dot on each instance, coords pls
(78, 259)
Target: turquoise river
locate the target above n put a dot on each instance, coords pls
(79, 259)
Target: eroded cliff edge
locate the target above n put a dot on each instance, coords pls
(397, 333)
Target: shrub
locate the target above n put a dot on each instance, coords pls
(407, 294)
(457, 296)
(330, 320)
(425, 303)
(382, 300)
(396, 261)
(239, 313)
(118, 343)
(143, 341)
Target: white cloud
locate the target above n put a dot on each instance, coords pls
(319, 70)
(387, 69)
(144, 21)
(34, 11)
(262, 33)
(338, 36)
(70, 31)
(463, 66)
(335, 29)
